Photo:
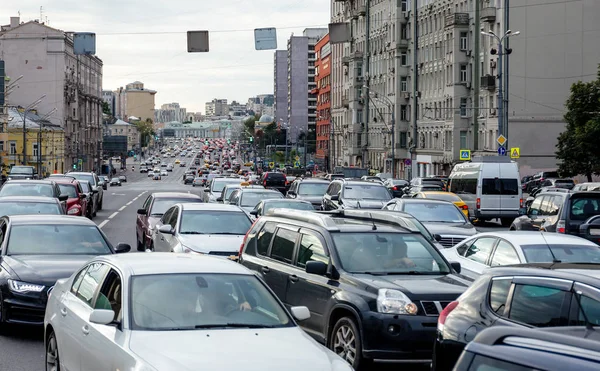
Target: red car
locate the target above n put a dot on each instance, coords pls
(77, 203)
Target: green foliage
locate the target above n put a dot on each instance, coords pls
(279, 157)
(146, 130)
(577, 146)
(106, 108)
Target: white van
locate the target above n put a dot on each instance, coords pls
(490, 186)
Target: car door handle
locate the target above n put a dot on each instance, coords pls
(85, 329)
(294, 278)
(265, 269)
(63, 312)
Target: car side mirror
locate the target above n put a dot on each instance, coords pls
(437, 237)
(335, 198)
(315, 267)
(292, 193)
(456, 266)
(82, 196)
(142, 212)
(166, 229)
(254, 212)
(63, 197)
(102, 316)
(122, 247)
(300, 313)
(95, 190)
(219, 199)
(206, 189)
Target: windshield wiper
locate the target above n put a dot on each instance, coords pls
(402, 273)
(234, 325)
(191, 232)
(230, 233)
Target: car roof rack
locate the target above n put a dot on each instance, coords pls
(555, 189)
(379, 216)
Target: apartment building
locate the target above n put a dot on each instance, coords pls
(122, 128)
(217, 107)
(302, 105)
(69, 84)
(135, 101)
(170, 112)
(110, 98)
(280, 85)
(323, 92)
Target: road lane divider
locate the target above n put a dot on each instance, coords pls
(113, 215)
(103, 224)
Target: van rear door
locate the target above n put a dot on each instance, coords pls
(490, 191)
(510, 197)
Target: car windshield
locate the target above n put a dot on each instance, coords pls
(29, 208)
(564, 253)
(313, 189)
(87, 177)
(172, 302)
(582, 208)
(388, 253)
(214, 222)
(229, 191)
(56, 239)
(161, 205)
(24, 189)
(443, 197)
(21, 170)
(288, 205)
(219, 184)
(366, 192)
(114, 180)
(251, 199)
(434, 212)
(69, 190)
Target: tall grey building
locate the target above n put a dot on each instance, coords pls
(280, 86)
(302, 105)
(217, 107)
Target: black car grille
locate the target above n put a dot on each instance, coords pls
(223, 253)
(448, 241)
(433, 308)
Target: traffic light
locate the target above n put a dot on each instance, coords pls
(251, 139)
(228, 141)
(206, 142)
(75, 166)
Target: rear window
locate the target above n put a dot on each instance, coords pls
(500, 187)
(583, 208)
(564, 253)
(275, 176)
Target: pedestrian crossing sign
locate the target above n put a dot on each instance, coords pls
(271, 165)
(297, 164)
(515, 152)
(465, 155)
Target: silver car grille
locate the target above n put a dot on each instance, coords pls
(433, 308)
(449, 241)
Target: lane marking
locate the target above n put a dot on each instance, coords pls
(103, 224)
(122, 207)
(129, 203)
(113, 215)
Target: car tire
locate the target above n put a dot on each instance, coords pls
(100, 204)
(506, 222)
(52, 355)
(345, 336)
(140, 245)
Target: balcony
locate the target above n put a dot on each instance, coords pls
(457, 19)
(402, 44)
(345, 101)
(488, 82)
(488, 14)
(361, 10)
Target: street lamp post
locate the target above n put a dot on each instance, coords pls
(390, 106)
(27, 109)
(507, 34)
(41, 127)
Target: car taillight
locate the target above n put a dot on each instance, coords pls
(561, 226)
(478, 203)
(444, 315)
(520, 202)
(265, 183)
(464, 207)
(395, 188)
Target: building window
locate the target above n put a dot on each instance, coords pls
(463, 41)
(1, 146)
(463, 73)
(35, 150)
(404, 59)
(403, 32)
(404, 5)
(463, 106)
(404, 112)
(12, 147)
(403, 84)
(402, 139)
(463, 139)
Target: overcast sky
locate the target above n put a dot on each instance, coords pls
(145, 40)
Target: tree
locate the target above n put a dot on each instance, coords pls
(146, 131)
(106, 108)
(577, 146)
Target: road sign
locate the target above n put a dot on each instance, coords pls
(407, 162)
(465, 155)
(501, 139)
(271, 165)
(297, 164)
(515, 152)
(502, 151)
(297, 158)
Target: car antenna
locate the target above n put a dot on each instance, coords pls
(588, 324)
(554, 259)
(373, 221)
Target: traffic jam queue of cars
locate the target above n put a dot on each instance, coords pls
(327, 273)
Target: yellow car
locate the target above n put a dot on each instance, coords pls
(177, 161)
(445, 196)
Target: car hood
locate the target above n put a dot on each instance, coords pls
(44, 269)
(434, 287)
(255, 350)
(460, 229)
(364, 204)
(206, 243)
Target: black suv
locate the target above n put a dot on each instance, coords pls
(274, 180)
(309, 189)
(532, 295)
(355, 194)
(561, 212)
(374, 284)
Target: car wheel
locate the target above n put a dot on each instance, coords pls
(345, 342)
(506, 222)
(100, 204)
(140, 245)
(52, 358)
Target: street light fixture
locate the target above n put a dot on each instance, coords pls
(501, 52)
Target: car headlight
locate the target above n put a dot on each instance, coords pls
(395, 302)
(22, 287)
(9, 178)
(74, 210)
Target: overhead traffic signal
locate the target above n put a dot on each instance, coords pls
(251, 139)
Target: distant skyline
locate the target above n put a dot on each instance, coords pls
(145, 40)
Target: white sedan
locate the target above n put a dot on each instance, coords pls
(165, 311)
(164, 173)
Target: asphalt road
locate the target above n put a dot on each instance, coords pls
(22, 348)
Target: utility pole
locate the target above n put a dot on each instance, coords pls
(393, 133)
(415, 93)
(476, 75)
(506, 77)
(367, 59)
